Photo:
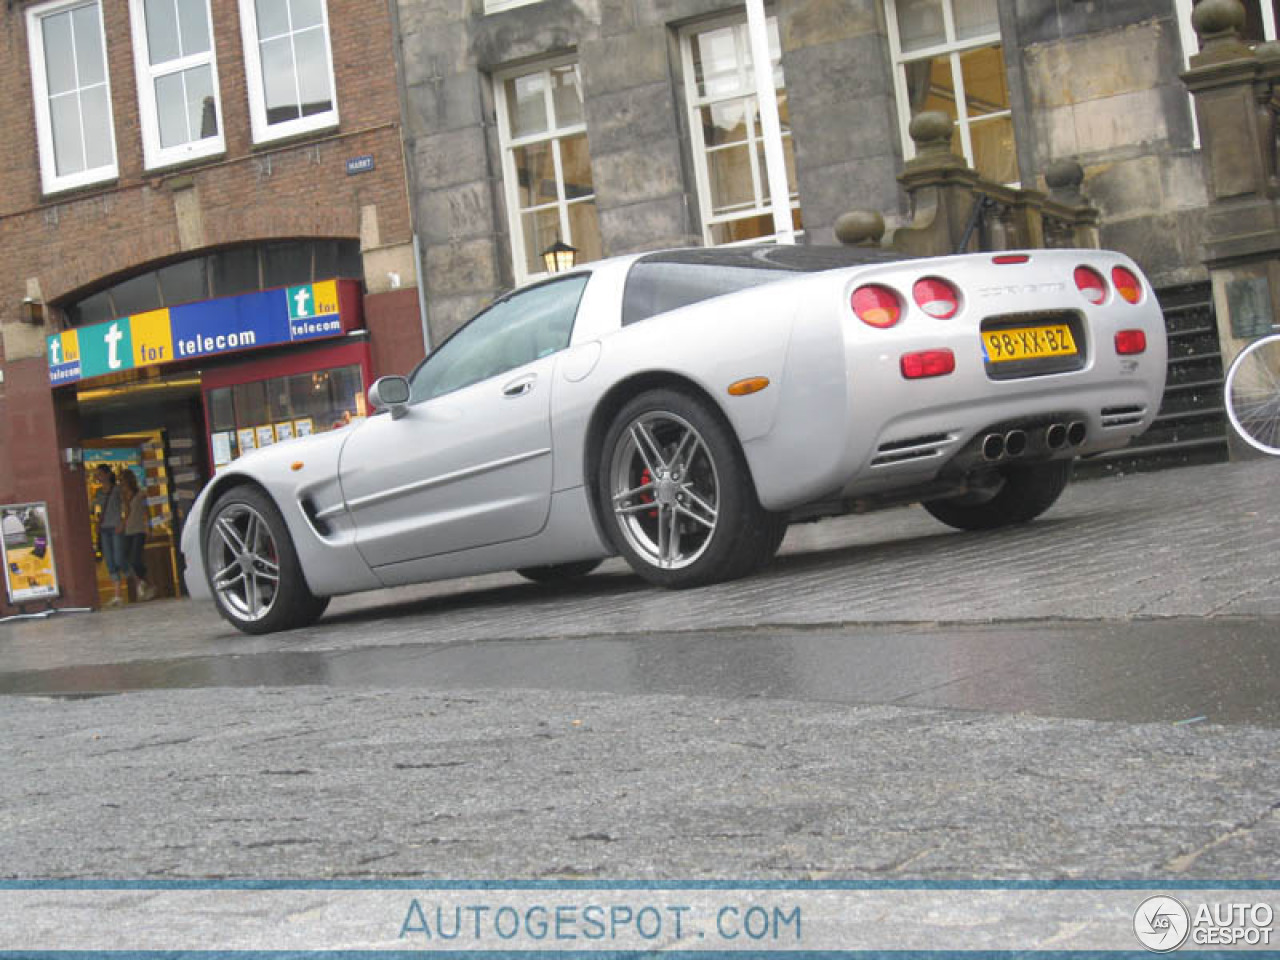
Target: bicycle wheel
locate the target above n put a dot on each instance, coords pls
(1253, 395)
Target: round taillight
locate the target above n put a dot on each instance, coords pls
(936, 297)
(876, 306)
(1091, 284)
(1127, 284)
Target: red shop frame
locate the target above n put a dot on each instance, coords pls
(309, 360)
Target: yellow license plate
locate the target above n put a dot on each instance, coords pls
(1029, 343)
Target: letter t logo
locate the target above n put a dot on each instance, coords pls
(113, 338)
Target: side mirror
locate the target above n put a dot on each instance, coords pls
(390, 393)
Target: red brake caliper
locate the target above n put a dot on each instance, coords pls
(646, 477)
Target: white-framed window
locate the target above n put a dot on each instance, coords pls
(947, 56)
(72, 93)
(546, 164)
(289, 67)
(728, 140)
(180, 109)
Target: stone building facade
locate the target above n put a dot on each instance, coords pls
(1030, 82)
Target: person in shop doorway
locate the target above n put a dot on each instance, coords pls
(133, 507)
(110, 505)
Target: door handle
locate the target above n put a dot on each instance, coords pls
(518, 388)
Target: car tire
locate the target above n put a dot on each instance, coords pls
(1027, 491)
(560, 572)
(247, 541)
(670, 462)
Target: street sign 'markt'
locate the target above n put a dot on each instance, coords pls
(311, 311)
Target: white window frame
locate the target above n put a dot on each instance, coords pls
(952, 49)
(154, 155)
(509, 145)
(1191, 46)
(762, 206)
(264, 132)
(497, 6)
(50, 181)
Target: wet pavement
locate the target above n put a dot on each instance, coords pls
(1092, 695)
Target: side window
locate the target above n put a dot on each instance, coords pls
(519, 329)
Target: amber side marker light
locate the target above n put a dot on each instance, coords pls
(743, 388)
(295, 466)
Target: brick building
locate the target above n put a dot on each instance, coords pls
(205, 245)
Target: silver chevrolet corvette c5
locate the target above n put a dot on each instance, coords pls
(681, 408)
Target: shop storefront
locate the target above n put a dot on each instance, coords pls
(174, 394)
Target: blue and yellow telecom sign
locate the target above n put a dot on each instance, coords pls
(208, 328)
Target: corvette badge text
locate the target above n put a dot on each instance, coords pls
(1163, 924)
(610, 922)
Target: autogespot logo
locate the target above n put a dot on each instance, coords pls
(1161, 924)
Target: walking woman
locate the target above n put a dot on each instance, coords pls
(110, 521)
(134, 531)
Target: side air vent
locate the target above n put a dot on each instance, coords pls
(913, 448)
(1122, 416)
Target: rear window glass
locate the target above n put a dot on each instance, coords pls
(654, 288)
(677, 278)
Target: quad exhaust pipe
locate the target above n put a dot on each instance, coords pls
(998, 446)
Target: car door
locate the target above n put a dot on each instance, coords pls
(469, 464)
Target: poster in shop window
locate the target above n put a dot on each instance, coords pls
(29, 570)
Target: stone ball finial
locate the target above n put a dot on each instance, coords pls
(1213, 18)
(860, 228)
(931, 130)
(1064, 176)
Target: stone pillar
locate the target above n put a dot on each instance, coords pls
(1236, 91)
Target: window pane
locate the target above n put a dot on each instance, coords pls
(171, 110)
(184, 282)
(201, 106)
(535, 174)
(273, 18)
(193, 18)
(526, 104)
(749, 228)
(313, 72)
(985, 89)
(306, 13)
(138, 295)
(920, 23)
(94, 309)
(59, 54)
(251, 403)
(726, 122)
(715, 63)
(235, 271)
(68, 148)
(277, 78)
(162, 31)
(88, 30)
(541, 230)
(729, 172)
(575, 164)
(976, 18)
(930, 86)
(789, 161)
(221, 412)
(995, 156)
(566, 95)
(99, 148)
(286, 264)
(584, 231)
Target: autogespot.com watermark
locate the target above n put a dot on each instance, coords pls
(1163, 924)
(481, 923)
